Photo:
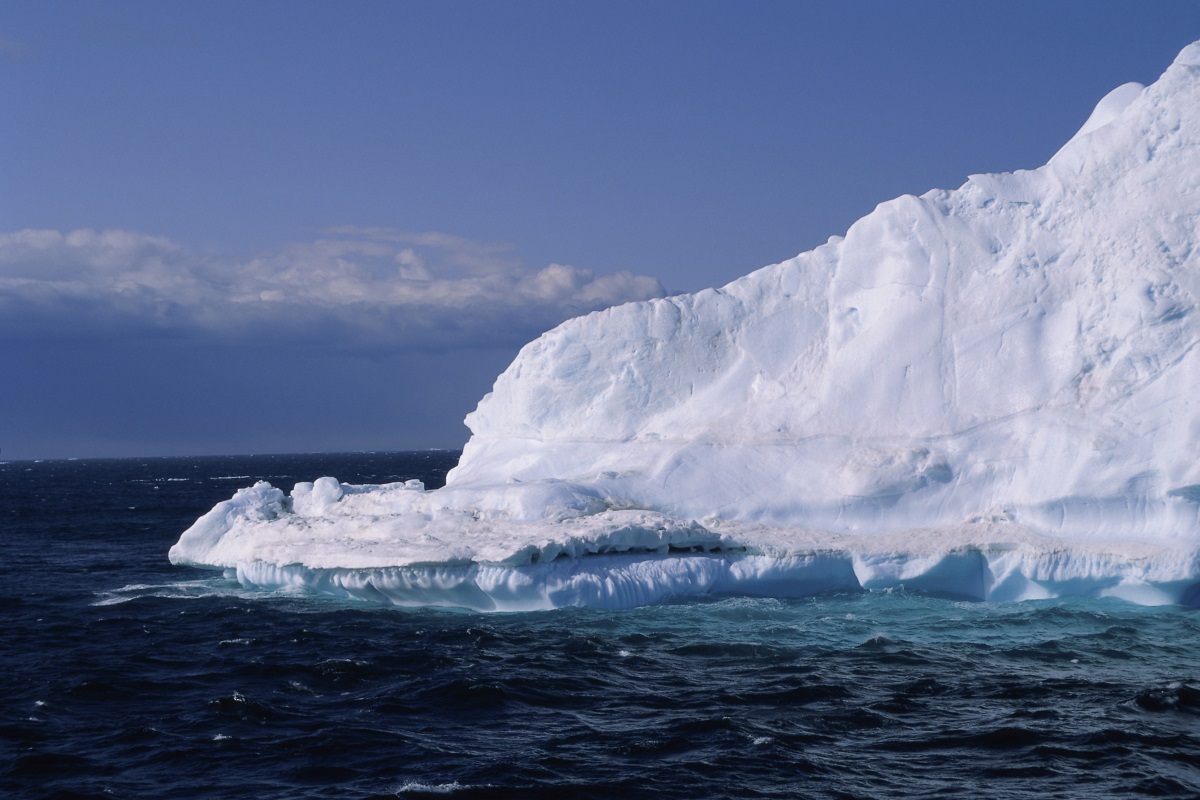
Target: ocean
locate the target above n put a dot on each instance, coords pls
(127, 677)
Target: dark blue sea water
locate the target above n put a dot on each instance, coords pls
(126, 677)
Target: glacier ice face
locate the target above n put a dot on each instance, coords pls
(990, 392)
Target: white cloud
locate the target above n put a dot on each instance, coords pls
(355, 287)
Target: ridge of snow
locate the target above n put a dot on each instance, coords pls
(1108, 109)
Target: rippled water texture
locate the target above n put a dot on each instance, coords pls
(127, 677)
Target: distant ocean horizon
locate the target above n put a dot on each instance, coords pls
(128, 677)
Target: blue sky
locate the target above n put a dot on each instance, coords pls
(231, 227)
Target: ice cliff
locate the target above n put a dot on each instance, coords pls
(992, 392)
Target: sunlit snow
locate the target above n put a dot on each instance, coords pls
(990, 393)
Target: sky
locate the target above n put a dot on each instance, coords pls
(252, 227)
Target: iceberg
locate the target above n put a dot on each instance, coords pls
(988, 393)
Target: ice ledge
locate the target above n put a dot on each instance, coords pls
(398, 544)
(623, 581)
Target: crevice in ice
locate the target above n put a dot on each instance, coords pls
(536, 557)
(1191, 493)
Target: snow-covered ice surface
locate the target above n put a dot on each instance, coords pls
(992, 392)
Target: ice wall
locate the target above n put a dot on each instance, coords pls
(1021, 348)
(992, 390)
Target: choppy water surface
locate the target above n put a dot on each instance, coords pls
(127, 677)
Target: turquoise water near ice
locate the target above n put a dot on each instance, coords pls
(129, 677)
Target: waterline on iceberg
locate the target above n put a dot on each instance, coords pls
(625, 558)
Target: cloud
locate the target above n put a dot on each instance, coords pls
(354, 288)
